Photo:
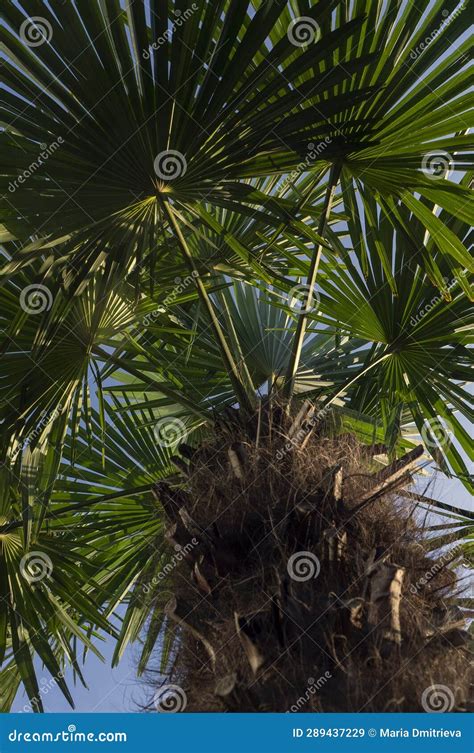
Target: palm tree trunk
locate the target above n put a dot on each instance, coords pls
(306, 583)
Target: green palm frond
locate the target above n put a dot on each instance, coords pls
(37, 568)
(109, 494)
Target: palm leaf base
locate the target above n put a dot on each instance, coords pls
(305, 581)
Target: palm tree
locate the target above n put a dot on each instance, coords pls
(228, 245)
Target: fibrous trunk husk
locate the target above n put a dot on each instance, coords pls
(306, 588)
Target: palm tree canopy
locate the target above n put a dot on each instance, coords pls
(150, 97)
(132, 131)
